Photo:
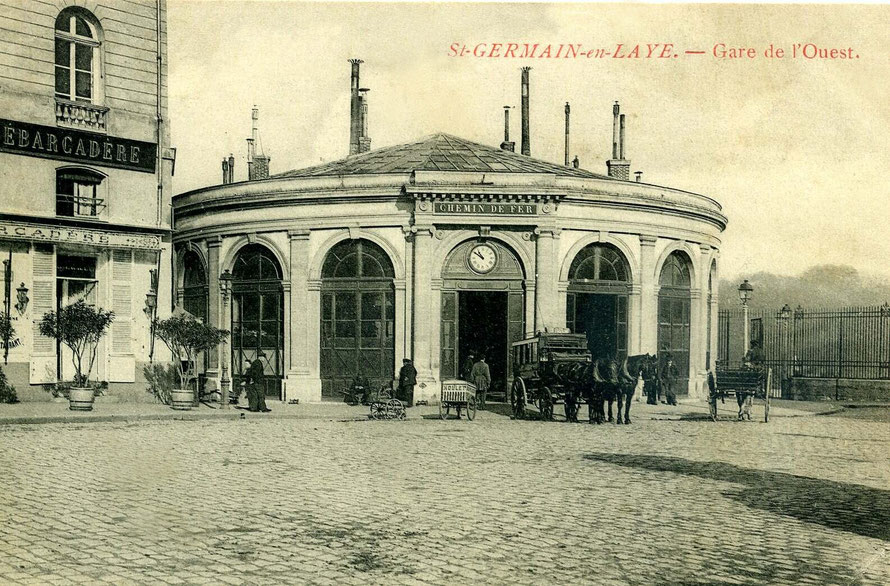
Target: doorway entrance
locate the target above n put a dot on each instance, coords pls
(482, 331)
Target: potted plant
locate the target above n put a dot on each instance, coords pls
(79, 327)
(186, 337)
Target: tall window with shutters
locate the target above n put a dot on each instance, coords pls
(79, 193)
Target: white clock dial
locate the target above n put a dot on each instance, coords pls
(483, 258)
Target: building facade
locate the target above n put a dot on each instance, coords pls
(86, 171)
(440, 248)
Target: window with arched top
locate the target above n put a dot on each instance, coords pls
(77, 36)
(596, 299)
(357, 315)
(675, 271)
(256, 263)
(599, 262)
(674, 309)
(194, 285)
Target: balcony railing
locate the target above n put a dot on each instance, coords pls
(80, 115)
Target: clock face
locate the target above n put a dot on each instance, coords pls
(483, 258)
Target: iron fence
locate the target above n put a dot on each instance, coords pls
(849, 342)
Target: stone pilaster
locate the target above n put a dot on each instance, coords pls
(423, 317)
(546, 277)
(648, 297)
(214, 301)
(298, 384)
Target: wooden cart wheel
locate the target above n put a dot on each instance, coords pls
(546, 404)
(375, 411)
(471, 408)
(517, 398)
(393, 408)
(443, 410)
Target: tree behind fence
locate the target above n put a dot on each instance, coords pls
(850, 342)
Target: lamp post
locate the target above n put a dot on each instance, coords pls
(225, 288)
(784, 317)
(745, 292)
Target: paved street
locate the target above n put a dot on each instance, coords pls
(667, 500)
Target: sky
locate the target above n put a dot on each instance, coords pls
(796, 150)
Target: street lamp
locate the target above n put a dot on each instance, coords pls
(225, 289)
(745, 292)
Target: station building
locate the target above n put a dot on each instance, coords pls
(85, 184)
(443, 247)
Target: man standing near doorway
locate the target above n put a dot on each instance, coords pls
(407, 380)
(466, 371)
(481, 376)
(669, 374)
(256, 388)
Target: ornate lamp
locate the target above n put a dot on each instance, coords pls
(21, 298)
(745, 293)
(225, 289)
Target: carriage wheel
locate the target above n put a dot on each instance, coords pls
(443, 410)
(471, 408)
(517, 398)
(375, 411)
(546, 404)
(393, 408)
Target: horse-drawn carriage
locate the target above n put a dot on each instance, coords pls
(547, 369)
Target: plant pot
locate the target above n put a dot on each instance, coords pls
(80, 399)
(182, 399)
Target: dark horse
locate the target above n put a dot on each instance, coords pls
(628, 377)
(616, 381)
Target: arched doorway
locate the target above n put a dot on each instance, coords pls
(194, 285)
(357, 316)
(258, 315)
(482, 312)
(674, 307)
(596, 299)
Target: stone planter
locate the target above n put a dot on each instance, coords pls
(182, 399)
(80, 399)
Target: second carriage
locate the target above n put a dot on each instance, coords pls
(548, 369)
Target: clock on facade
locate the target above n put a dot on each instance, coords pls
(483, 258)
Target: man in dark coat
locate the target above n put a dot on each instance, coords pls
(669, 374)
(466, 370)
(407, 380)
(256, 388)
(650, 382)
(481, 376)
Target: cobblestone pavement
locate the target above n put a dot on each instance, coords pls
(801, 500)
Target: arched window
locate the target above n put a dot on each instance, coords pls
(258, 315)
(78, 192)
(599, 262)
(357, 315)
(77, 56)
(194, 285)
(596, 299)
(674, 308)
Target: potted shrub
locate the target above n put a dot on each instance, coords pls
(79, 327)
(186, 337)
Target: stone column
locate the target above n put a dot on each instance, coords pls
(704, 272)
(423, 313)
(648, 296)
(214, 302)
(298, 318)
(634, 319)
(546, 277)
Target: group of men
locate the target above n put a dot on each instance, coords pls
(659, 382)
(254, 384)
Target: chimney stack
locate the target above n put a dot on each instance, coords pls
(225, 170)
(618, 167)
(568, 110)
(526, 138)
(639, 176)
(576, 163)
(355, 108)
(507, 145)
(364, 141)
(257, 161)
(231, 168)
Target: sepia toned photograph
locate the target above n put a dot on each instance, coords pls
(444, 293)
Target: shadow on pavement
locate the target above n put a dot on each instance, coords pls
(846, 507)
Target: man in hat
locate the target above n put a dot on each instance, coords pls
(467, 369)
(669, 375)
(407, 380)
(481, 376)
(256, 389)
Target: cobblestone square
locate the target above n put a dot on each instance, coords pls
(667, 500)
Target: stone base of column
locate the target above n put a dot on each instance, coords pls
(427, 389)
(698, 385)
(301, 386)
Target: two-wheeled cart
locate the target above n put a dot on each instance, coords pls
(459, 395)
